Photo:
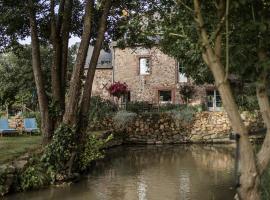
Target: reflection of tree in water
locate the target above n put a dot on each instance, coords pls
(213, 158)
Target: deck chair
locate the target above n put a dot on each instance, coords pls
(4, 127)
(30, 125)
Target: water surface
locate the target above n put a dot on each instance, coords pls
(193, 172)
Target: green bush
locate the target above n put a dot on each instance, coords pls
(266, 185)
(137, 106)
(33, 177)
(185, 114)
(2, 114)
(168, 107)
(66, 145)
(100, 108)
(123, 118)
(59, 151)
(92, 151)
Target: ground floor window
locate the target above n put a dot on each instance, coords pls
(165, 96)
(214, 102)
(126, 97)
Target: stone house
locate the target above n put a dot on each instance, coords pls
(151, 76)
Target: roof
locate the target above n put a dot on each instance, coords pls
(104, 60)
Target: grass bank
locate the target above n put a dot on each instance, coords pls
(12, 147)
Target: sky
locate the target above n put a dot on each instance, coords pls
(73, 40)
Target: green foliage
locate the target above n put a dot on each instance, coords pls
(66, 145)
(245, 97)
(92, 151)
(184, 114)
(58, 153)
(266, 185)
(122, 118)
(16, 76)
(169, 106)
(187, 91)
(100, 108)
(137, 106)
(33, 177)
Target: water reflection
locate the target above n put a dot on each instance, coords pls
(152, 173)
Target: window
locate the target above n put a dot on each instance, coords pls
(181, 75)
(144, 64)
(126, 97)
(165, 96)
(214, 102)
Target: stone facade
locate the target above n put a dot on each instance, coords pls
(163, 76)
(163, 73)
(103, 78)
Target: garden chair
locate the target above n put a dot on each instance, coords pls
(4, 128)
(30, 125)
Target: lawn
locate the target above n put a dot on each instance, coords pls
(12, 147)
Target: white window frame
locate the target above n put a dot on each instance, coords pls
(143, 68)
(214, 107)
(182, 78)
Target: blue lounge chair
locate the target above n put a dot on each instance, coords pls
(30, 125)
(4, 128)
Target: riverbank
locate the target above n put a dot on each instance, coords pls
(31, 172)
(12, 147)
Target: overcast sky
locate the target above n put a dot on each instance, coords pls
(72, 40)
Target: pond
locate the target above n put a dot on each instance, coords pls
(169, 172)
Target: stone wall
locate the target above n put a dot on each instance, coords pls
(102, 80)
(163, 75)
(205, 127)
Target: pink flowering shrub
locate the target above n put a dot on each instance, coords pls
(118, 89)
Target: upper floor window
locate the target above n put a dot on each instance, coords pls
(144, 64)
(181, 73)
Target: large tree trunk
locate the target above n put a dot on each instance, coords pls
(56, 64)
(249, 176)
(46, 122)
(263, 100)
(70, 116)
(65, 29)
(85, 104)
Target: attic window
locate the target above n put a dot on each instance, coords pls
(144, 64)
(104, 62)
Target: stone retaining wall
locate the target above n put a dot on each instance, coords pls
(205, 127)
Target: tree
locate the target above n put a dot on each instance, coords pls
(231, 39)
(65, 112)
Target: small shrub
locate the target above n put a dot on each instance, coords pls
(168, 107)
(137, 106)
(100, 108)
(185, 114)
(33, 177)
(187, 91)
(266, 185)
(92, 151)
(2, 114)
(59, 151)
(65, 145)
(123, 118)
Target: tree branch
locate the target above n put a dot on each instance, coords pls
(70, 116)
(92, 65)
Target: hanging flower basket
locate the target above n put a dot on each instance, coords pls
(118, 89)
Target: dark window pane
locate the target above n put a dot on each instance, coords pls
(165, 95)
